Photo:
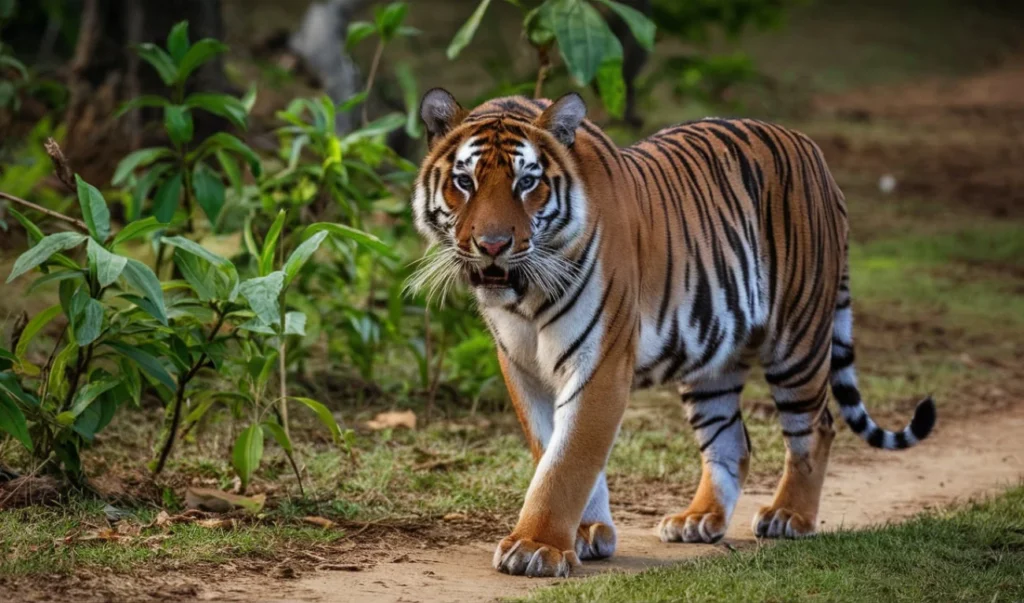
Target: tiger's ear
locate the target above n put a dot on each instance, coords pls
(563, 117)
(440, 113)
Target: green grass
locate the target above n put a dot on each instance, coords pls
(972, 554)
(32, 541)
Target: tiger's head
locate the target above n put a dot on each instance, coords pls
(499, 196)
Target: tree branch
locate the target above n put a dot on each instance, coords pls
(49, 212)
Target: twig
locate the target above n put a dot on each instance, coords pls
(542, 71)
(60, 164)
(370, 78)
(49, 212)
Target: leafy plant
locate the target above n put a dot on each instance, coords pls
(386, 26)
(185, 170)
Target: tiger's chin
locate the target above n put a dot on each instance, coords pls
(496, 286)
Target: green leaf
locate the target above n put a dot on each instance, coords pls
(178, 122)
(41, 251)
(467, 31)
(33, 327)
(357, 32)
(15, 64)
(223, 140)
(195, 273)
(94, 209)
(177, 41)
(262, 294)
(640, 26)
(389, 19)
(12, 421)
(145, 184)
(160, 60)
(146, 362)
(248, 100)
(411, 95)
(377, 127)
(228, 107)
(139, 276)
(57, 276)
(167, 198)
(270, 244)
(247, 453)
(85, 396)
(325, 416)
(202, 51)
(34, 234)
(231, 170)
(196, 249)
(612, 86)
(355, 235)
(279, 435)
(584, 38)
(108, 265)
(137, 229)
(301, 255)
(209, 191)
(137, 159)
(295, 324)
(89, 323)
(147, 100)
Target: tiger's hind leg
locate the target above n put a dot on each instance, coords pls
(713, 409)
(807, 427)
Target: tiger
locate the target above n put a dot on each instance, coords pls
(684, 258)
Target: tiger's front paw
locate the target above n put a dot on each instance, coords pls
(524, 557)
(780, 522)
(693, 526)
(595, 541)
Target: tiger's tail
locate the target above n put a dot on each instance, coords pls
(844, 386)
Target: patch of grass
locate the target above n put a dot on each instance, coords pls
(32, 541)
(972, 554)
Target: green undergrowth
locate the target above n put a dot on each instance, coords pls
(975, 553)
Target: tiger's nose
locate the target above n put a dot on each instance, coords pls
(492, 246)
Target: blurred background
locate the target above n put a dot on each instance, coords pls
(264, 122)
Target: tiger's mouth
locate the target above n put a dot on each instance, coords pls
(496, 277)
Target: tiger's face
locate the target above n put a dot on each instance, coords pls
(499, 198)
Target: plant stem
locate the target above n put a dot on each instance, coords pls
(544, 59)
(282, 362)
(179, 398)
(370, 78)
(80, 225)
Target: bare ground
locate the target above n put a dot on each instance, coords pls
(962, 460)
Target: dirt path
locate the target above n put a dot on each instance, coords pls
(959, 462)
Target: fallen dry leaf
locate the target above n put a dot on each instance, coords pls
(323, 522)
(162, 518)
(215, 501)
(454, 517)
(216, 524)
(392, 420)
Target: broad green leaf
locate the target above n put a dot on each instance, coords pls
(389, 18)
(202, 51)
(378, 127)
(86, 395)
(467, 31)
(131, 379)
(357, 32)
(325, 416)
(584, 38)
(231, 170)
(177, 41)
(108, 265)
(55, 277)
(57, 380)
(612, 86)
(148, 100)
(295, 323)
(41, 251)
(411, 95)
(223, 140)
(228, 107)
(88, 323)
(12, 421)
(355, 235)
(640, 26)
(279, 435)
(178, 121)
(141, 277)
(196, 249)
(353, 101)
(146, 362)
(33, 327)
(209, 191)
(256, 326)
(137, 159)
(262, 294)
(247, 453)
(145, 184)
(94, 209)
(160, 60)
(167, 198)
(301, 255)
(270, 244)
(194, 271)
(34, 234)
(137, 229)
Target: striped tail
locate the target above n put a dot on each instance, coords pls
(844, 387)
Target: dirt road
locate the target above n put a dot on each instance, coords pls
(962, 460)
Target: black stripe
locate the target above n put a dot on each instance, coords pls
(586, 332)
(735, 417)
